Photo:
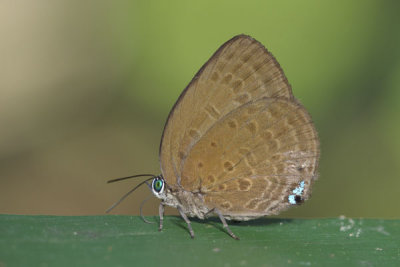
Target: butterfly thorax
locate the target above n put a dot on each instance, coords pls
(191, 203)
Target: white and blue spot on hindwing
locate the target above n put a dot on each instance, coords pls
(297, 192)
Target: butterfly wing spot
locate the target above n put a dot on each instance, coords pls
(236, 67)
(275, 111)
(213, 144)
(244, 184)
(298, 199)
(285, 129)
(246, 57)
(181, 155)
(273, 145)
(215, 76)
(252, 127)
(211, 178)
(292, 199)
(280, 168)
(232, 124)
(243, 98)
(295, 199)
(194, 134)
(222, 187)
(227, 78)
(226, 205)
(228, 166)
(249, 172)
(267, 135)
(296, 196)
(221, 65)
(200, 165)
(237, 86)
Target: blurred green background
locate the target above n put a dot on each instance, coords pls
(85, 89)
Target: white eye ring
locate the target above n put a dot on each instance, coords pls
(158, 185)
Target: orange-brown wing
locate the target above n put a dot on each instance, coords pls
(251, 160)
(241, 70)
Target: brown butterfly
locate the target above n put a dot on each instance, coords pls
(237, 143)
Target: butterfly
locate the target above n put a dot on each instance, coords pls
(237, 143)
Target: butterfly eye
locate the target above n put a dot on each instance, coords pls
(158, 185)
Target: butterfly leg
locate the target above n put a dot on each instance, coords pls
(161, 213)
(187, 222)
(221, 217)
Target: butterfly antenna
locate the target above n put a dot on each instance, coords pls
(148, 184)
(127, 194)
(141, 207)
(128, 177)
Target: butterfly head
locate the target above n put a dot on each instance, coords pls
(162, 191)
(158, 187)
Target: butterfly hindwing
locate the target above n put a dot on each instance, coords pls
(249, 162)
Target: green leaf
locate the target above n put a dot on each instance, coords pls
(126, 241)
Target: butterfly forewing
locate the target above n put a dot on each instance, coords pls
(240, 72)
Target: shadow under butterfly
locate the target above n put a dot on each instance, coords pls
(237, 143)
